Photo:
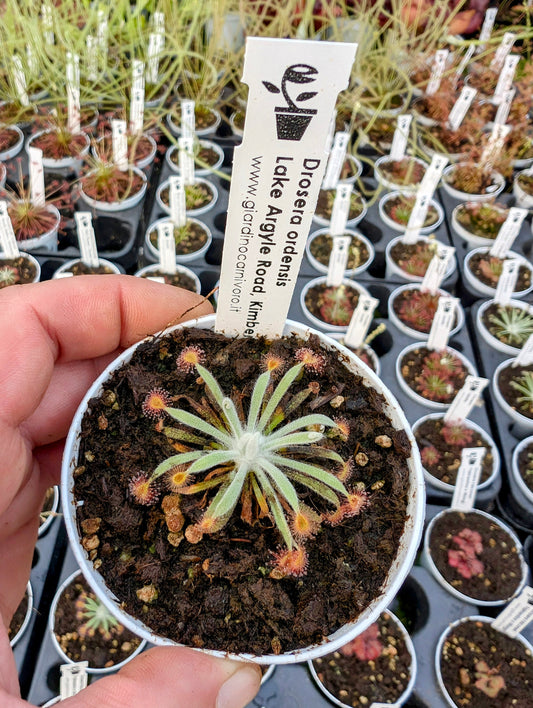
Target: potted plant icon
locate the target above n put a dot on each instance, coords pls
(291, 120)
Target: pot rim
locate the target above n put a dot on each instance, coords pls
(397, 270)
(69, 160)
(398, 227)
(202, 132)
(523, 421)
(179, 268)
(497, 179)
(201, 171)
(471, 238)
(410, 331)
(31, 259)
(192, 212)
(17, 147)
(49, 519)
(397, 573)
(27, 617)
(491, 340)
(394, 186)
(315, 321)
(183, 258)
(101, 261)
(515, 470)
(350, 223)
(338, 336)
(126, 203)
(350, 272)
(486, 289)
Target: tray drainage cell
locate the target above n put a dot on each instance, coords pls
(411, 606)
(213, 255)
(111, 233)
(52, 678)
(381, 292)
(220, 221)
(36, 557)
(383, 343)
(370, 230)
(209, 279)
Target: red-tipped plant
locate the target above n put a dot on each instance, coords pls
(366, 647)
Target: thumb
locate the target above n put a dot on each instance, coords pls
(173, 677)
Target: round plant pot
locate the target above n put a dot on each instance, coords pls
(523, 425)
(420, 117)
(190, 212)
(429, 563)
(350, 272)
(497, 186)
(401, 227)
(436, 483)
(440, 646)
(412, 671)
(401, 564)
(324, 222)
(27, 617)
(393, 270)
(127, 203)
(200, 132)
(376, 364)
(43, 528)
(180, 258)
(523, 199)
(63, 270)
(140, 164)
(410, 331)
(356, 168)
(199, 171)
(26, 256)
(491, 340)
(486, 290)
(515, 471)
(72, 162)
(46, 241)
(388, 183)
(235, 129)
(437, 405)
(312, 318)
(11, 152)
(153, 268)
(51, 627)
(473, 240)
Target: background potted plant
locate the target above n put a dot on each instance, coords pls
(412, 310)
(360, 253)
(505, 328)
(330, 306)
(482, 272)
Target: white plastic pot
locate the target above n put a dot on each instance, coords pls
(523, 199)
(437, 405)
(414, 333)
(312, 318)
(450, 488)
(63, 270)
(48, 240)
(486, 290)
(72, 162)
(393, 270)
(235, 129)
(473, 240)
(51, 624)
(43, 528)
(199, 171)
(140, 164)
(145, 273)
(186, 257)
(126, 203)
(17, 147)
(497, 186)
(492, 341)
(400, 227)
(526, 491)
(522, 424)
(412, 671)
(321, 268)
(190, 212)
(388, 183)
(339, 338)
(27, 617)
(200, 132)
(357, 169)
(400, 567)
(32, 260)
(322, 221)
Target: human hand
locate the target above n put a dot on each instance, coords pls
(56, 337)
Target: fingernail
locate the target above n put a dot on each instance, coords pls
(240, 688)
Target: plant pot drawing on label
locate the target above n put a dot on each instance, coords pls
(291, 120)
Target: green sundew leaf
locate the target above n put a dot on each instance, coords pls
(210, 459)
(314, 485)
(194, 421)
(206, 484)
(278, 418)
(183, 436)
(317, 451)
(297, 400)
(282, 483)
(228, 500)
(311, 471)
(303, 422)
(275, 507)
(306, 438)
(230, 413)
(175, 460)
(216, 499)
(280, 390)
(257, 399)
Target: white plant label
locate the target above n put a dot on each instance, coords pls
(120, 144)
(277, 174)
(341, 209)
(186, 159)
(442, 324)
(517, 615)
(504, 107)
(468, 476)
(486, 29)
(155, 44)
(48, 23)
(525, 355)
(177, 200)
(73, 93)
(8, 240)
(137, 98)
(336, 160)
(20, 81)
(159, 22)
(166, 245)
(461, 107)
(92, 57)
(156, 279)
(508, 232)
(86, 239)
(464, 63)
(101, 35)
(432, 175)
(506, 78)
(503, 50)
(437, 70)
(495, 143)
(507, 281)
(360, 322)
(331, 131)
(417, 217)
(338, 258)
(31, 60)
(465, 399)
(73, 677)
(437, 268)
(188, 119)
(401, 136)
(36, 176)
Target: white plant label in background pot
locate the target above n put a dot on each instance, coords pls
(437, 71)
(495, 143)
(188, 119)
(155, 41)
(137, 98)
(502, 51)
(438, 267)
(517, 615)
(336, 160)
(19, 80)
(507, 281)
(167, 247)
(401, 136)
(120, 144)
(86, 239)
(505, 80)
(508, 232)
(36, 176)
(424, 197)
(442, 324)
(177, 200)
(468, 476)
(465, 400)
(337, 261)
(486, 28)
(73, 93)
(186, 159)
(8, 240)
(360, 322)
(341, 209)
(461, 107)
(504, 108)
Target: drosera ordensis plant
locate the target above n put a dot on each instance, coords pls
(250, 456)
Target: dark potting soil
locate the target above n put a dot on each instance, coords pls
(221, 593)
(18, 618)
(484, 668)
(179, 280)
(188, 239)
(416, 309)
(413, 258)
(8, 138)
(326, 198)
(334, 306)
(436, 376)
(510, 394)
(373, 668)
(80, 268)
(56, 149)
(101, 648)
(321, 245)
(513, 337)
(441, 458)
(403, 172)
(500, 573)
(362, 353)
(197, 195)
(204, 156)
(487, 269)
(204, 117)
(15, 271)
(143, 148)
(525, 465)
(120, 186)
(399, 210)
